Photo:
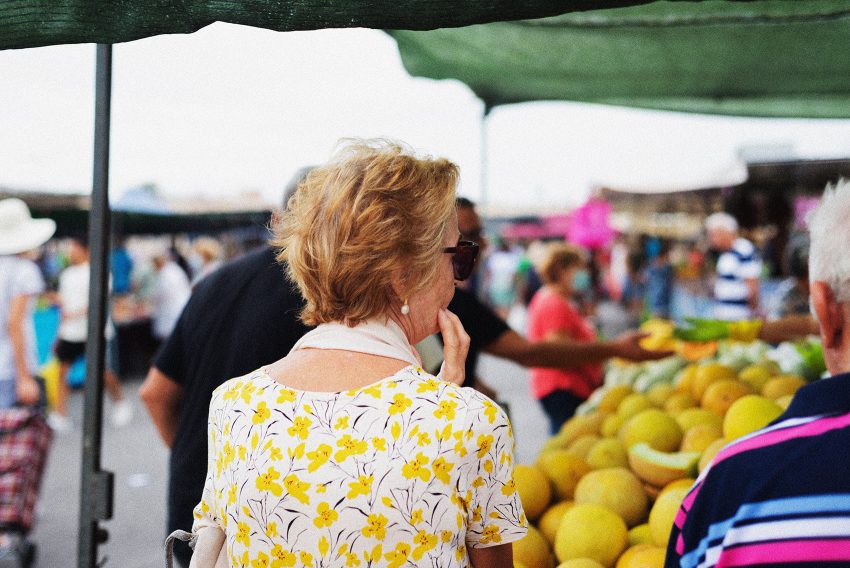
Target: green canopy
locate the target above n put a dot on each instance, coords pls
(33, 23)
(776, 58)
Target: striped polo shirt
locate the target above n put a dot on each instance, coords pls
(777, 497)
(734, 268)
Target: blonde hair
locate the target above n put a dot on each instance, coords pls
(557, 258)
(375, 209)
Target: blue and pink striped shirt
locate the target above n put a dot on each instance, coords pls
(777, 497)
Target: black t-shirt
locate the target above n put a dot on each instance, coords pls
(239, 318)
(481, 324)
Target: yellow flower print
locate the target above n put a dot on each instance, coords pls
(306, 559)
(376, 527)
(261, 413)
(276, 455)
(231, 494)
(424, 542)
(446, 410)
(341, 423)
(476, 514)
(423, 439)
(509, 488)
(395, 430)
(416, 468)
(300, 427)
(326, 516)
(488, 466)
(351, 560)
(398, 557)
(243, 451)
(460, 447)
(282, 558)
(484, 443)
(388, 503)
(478, 482)
(262, 561)
(442, 469)
(297, 488)
(319, 457)
(460, 552)
(374, 391)
(416, 517)
(285, 396)
(266, 482)
(255, 440)
(375, 555)
(446, 536)
(349, 447)
(324, 546)
(247, 392)
(399, 404)
(445, 434)
(363, 486)
(243, 534)
(491, 534)
(294, 453)
(322, 488)
(380, 444)
(233, 392)
(428, 386)
(271, 529)
(490, 411)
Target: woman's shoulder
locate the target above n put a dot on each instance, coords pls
(231, 387)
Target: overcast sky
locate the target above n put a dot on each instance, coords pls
(231, 109)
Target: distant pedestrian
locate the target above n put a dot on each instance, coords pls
(73, 334)
(171, 294)
(207, 257)
(736, 287)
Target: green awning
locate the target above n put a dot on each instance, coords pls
(776, 58)
(33, 23)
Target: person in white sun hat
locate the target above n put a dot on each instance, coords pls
(20, 283)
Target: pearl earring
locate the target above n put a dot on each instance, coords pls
(405, 309)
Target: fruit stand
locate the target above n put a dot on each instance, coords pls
(604, 491)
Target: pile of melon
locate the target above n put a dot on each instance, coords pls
(605, 490)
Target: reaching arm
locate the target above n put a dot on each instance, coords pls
(788, 328)
(25, 386)
(499, 556)
(162, 397)
(559, 351)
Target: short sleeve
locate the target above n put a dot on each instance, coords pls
(27, 280)
(494, 515)
(206, 513)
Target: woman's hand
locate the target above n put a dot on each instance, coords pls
(455, 347)
(27, 390)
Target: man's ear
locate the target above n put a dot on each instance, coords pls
(828, 313)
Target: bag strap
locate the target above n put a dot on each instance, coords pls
(183, 536)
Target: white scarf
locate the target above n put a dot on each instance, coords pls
(373, 337)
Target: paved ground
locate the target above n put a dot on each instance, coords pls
(138, 459)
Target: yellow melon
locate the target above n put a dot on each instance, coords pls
(709, 373)
(691, 417)
(640, 535)
(782, 385)
(616, 488)
(653, 426)
(642, 556)
(661, 468)
(582, 445)
(613, 397)
(608, 452)
(534, 488)
(748, 414)
(698, 438)
(664, 512)
(551, 519)
(679, 402)
(591, 531)
(533, 550)
(632, 405)
(658, 394)
(709, 453)
(720, 395)
(564, 469)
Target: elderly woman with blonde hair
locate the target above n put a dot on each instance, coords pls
(345, 452)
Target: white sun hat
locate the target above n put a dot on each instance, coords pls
(19, 232)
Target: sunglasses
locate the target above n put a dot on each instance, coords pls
(463, 258)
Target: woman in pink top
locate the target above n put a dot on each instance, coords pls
(552, 315)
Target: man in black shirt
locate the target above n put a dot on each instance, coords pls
(240, 317)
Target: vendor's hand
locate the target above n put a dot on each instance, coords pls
(455, 347)
(627, 346)
(27, 390)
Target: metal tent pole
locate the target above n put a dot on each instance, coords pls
(96, 487)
